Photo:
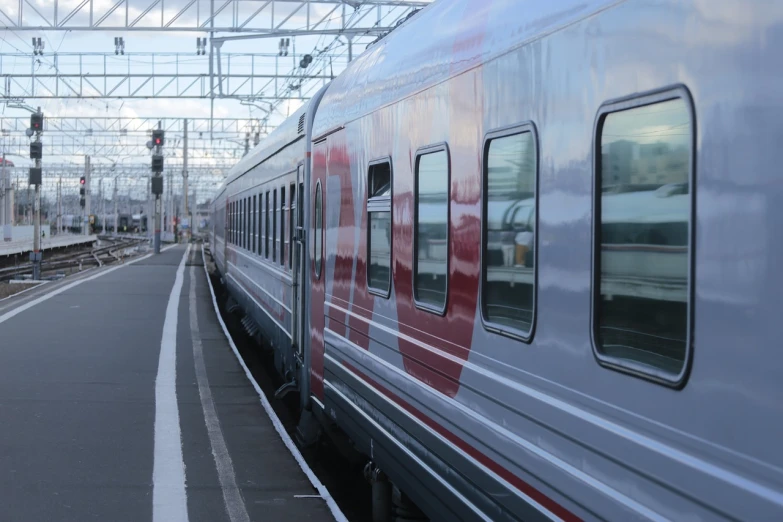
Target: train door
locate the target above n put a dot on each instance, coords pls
(226, 228)
(298, 264)
(315, 267)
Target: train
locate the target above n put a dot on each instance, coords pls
(125, 223)
(521, 254)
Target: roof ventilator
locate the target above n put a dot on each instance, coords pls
(301, 123)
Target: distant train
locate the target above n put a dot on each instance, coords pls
(525, 255)
(134, 223)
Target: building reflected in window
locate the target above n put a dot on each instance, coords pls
(379, 242)
(432, 229)
(510, 219)
(645, 208)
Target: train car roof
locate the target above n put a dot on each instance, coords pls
(444, 40)
(290, 130)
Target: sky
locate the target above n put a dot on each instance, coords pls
(16, 56)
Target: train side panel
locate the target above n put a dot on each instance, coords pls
(476, 423)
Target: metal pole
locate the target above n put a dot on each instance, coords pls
(185, 179)
(156, 238)
(59, 206)
(86, 221)
(5, 218)
(103, 205)
(116, 216)
(37, 220)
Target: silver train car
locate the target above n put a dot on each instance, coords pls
(522, 253)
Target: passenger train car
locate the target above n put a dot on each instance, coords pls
(525, 255)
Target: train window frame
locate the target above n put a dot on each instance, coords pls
(626, 366)
(488, 325)
(274, 225)
(254, 220)
(266, 227)
(318, 232)
(283, 242)
(291, 225)
(422, 151)
(381, 204)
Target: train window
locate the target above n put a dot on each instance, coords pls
(318, 222)
(509, 247)
(283, 244)
(245, 223)
(379, 232)
(254, 218)
(643, 240)
(266, 226)
(431, 237)
(291, 225)
(274, 225)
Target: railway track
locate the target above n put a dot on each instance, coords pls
(105, 254)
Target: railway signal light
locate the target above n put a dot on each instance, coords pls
(157, 185)
(157, 137)
(36, 121)
(36, 176)
(36, 150)
(157, 163)
(82, 181)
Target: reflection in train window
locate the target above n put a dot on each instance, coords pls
(508, 293)
(431, 238)
(266, 226)
(643, 276)
(274, 225)
(254, 218)
(283, 244)
(379, 234)
(318, 218)
(291, 224)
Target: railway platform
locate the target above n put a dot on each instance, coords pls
(22, 246)
(131, 405)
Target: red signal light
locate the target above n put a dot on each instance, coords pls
(81, 180)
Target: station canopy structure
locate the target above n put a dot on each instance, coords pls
(105, 73)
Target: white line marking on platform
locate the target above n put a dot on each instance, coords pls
(232, 496)
(289, 443)
(169, 500)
